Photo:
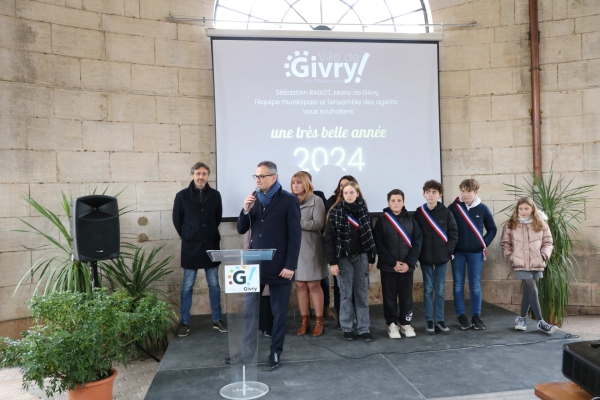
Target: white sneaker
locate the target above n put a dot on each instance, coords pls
(520, 323)
(408, 330)
(393, 331)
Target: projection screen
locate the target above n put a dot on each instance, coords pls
(331, 108)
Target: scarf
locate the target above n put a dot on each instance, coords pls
(525, 220)
(338, 216)
(265, 199)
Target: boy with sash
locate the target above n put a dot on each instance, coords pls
(440, 236)
(472, 216)
(398, 241)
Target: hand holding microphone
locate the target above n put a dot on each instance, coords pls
(250, 200)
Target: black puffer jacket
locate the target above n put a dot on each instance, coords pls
(391, 247)
(434, 250)
(197, 221)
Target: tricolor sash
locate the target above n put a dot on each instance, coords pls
(438, 229)
(471, 225)
(399, 228)
(353, 221)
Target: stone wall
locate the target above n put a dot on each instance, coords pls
(485, 89)
(97, 93)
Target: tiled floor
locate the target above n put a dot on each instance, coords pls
(133, 383)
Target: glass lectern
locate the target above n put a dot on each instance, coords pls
(242, 287)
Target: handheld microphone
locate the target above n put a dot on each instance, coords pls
(256, 190)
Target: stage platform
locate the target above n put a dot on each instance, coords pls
(466, 362)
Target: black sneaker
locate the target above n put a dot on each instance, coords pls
(273, 361)
(477, 323)
(440, 326)
(266, 334)
(546, 327)
(367, 337)
(349, 336)
(183, 330)
(220, 326)
(464, 322)
(429, 328)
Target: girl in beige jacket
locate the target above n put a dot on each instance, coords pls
(527, 243)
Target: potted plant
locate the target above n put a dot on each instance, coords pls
(80, 337)
(563, 204)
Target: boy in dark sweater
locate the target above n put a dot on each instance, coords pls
(440, 236)
(398, 241)
(472, 216)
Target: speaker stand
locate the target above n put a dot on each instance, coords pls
(95, 280)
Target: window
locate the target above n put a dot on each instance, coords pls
(367, 15)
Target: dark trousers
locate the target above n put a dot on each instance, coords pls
(396, 290)
(326, 291)
(265, 319)
(280, 298)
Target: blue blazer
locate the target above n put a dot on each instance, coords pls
(275, 227)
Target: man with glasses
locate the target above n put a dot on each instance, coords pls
(273, 215)
(196, 215)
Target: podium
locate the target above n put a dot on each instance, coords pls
(242, 288)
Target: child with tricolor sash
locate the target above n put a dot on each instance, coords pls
(398, 240)
(351, 254)
(440, 236)
(472, 216)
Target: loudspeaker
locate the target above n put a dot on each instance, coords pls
(95, 228)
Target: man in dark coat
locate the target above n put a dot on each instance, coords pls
(273, 215)
(197, 213)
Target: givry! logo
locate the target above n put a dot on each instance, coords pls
(329, 63)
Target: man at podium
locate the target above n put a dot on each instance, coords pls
(273, 215)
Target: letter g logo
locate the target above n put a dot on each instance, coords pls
(239, 277)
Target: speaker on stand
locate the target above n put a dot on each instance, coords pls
(95, 230)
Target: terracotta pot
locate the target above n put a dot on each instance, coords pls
(98, 390)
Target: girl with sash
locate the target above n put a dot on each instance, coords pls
(440, 236)
(471, 216)
(398, 240)
(527, 243)
(351, 254)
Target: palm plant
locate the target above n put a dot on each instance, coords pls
(135, 272)
(56, 270)
(563, 203)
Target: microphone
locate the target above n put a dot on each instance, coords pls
(256, 190)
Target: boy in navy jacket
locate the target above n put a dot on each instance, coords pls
(440, 236)
(472, 216)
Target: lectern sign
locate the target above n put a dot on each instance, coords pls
(242, 278)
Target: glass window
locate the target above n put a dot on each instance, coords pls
(386, 15)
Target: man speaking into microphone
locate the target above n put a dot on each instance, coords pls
(273, 215)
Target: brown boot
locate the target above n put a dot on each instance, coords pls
(319, 327)
(304, 325)
(328, 314)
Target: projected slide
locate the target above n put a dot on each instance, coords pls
(331, 108)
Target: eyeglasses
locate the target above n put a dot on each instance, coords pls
(261, 177)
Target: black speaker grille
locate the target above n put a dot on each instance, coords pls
(583, 373)
(99, 239)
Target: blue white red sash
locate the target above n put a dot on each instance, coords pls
(353, 221)
(471, 224)
(399, 228)
(438, 229)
